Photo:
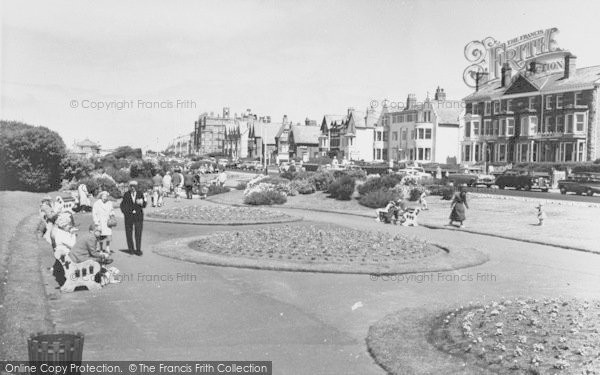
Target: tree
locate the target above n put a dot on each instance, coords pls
(30, 157)
(124, 152)
(76, 167)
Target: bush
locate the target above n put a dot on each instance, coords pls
(30, 157)
(76, 167)
(322, 180)
(216, 189)
(267, 197)
(143, 168)
(378, 183)
(144, 184)
(415, 193)
(342, 188)
(378, 198)
(119, 175)
(242, 185)
(303, 186)
(97, 184)
(445, 191)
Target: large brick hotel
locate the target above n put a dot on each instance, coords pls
(533, 115)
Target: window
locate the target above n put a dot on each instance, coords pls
(501, 152)
(510, 126)
(427, 116)
(475, 110)
(427, 133)
(476, 153)
(420, 153)
(509, 105)
(488, 108)
(496, 106)
(487, 127)
(569, 123)
(495, 128)
(549, 128)
(467, 153)
(385, 136)
(378, 154)
(427, 154)
(386, 121)
(532, 103)
(404, 134)
(579, 122)
(420, 133)
(475, 127)
(578, 100)
(548, 101)
(412, 134)
(560, 124)
(580, 150)
(394, 136)
(468, 130)
(385, 154)
(524, 151)
(559, 101)
(379, 136)
(502, 129)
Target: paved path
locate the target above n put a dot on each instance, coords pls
(303, 322)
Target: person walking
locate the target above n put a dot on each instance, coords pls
(177, 181)
(458, 207)
(132, 206)
(188, 183)
(167, 187)
(157, 198)
(85, 204)
(102, 212)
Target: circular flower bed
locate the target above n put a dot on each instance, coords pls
(205, 214)
(549, 336)
(317, 244)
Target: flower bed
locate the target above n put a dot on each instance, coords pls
(218, 215)
(317, 244)
(550, 336)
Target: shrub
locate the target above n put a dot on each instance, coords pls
(76, 167)
(342, 188)
(216, 189)
(143, 168)
(415, 192)
(97, 184)
(144, 184)
(322, 180)
(267, 197)
(378, 198)
(30, 157)
(378, 183)
(445, 191)
(303, 186)
(119, 175)
(357, 174)
(242, 185)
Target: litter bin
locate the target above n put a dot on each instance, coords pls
(63, 348)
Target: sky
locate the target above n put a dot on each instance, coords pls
(140, 73)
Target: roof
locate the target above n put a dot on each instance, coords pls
(305, 134)
(87, 143)
(583, 78)
(268, 129)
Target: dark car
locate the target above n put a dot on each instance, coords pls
(522, 180)
(580, 184)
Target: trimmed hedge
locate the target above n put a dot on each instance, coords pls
(378, 183)
(216, 189)
(265, 198)
(378, 198)
(303, 186)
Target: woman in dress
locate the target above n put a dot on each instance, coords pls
(84, 200)
(458, 207)
(101, 212)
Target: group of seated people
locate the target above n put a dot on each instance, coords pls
(397, 212)
(76, 265)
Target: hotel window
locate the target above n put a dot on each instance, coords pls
(379, 136)
(385, 154)
(488, 108)
(487, 127)
(427, 154)
(560, 124)
(532, 103)
(427, 133)
(549, 126)
(385, 136)
(475, 110)
(394, 136)
(467, 153)
(496, 106)
(509, 105)
(580, 150)
(559, 101)
(502, 127)
(579, 122)
(501, 152)
(420, 133)
(495, 128)
(510, 126)
(578, 98)
(548, 101)
(524, 150)
(468, 130)
(476, 152)
(420, 154)
(475, 125)
(378, 154)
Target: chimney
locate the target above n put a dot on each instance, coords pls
(350, 110)
(285, 119)
(506, 72)
(225, 112)
(570, 65)
(411, 101)
(440, 95)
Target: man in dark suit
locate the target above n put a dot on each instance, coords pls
(132, 206)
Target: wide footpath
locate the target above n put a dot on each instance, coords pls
(306, 323)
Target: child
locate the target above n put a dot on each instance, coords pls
(203, 192)
(94, 247)
(422, 200)
(46, 218)
(382, 212)
(541, 215)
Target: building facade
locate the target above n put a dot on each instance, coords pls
(304, 141)
(531, 116)
(350, 136)
(85, 148)
(426, 132)
(181, 145)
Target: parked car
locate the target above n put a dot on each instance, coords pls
(284, 167)
(584, 183)
(470, 179)
(417, 172)
(223, 163)
(523, 180)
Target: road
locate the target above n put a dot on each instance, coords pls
(536, 194)
(303, 322)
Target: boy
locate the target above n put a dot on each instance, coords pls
(91, 246)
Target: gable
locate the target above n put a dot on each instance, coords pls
(521, 85)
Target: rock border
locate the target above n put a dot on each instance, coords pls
(447, 260)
